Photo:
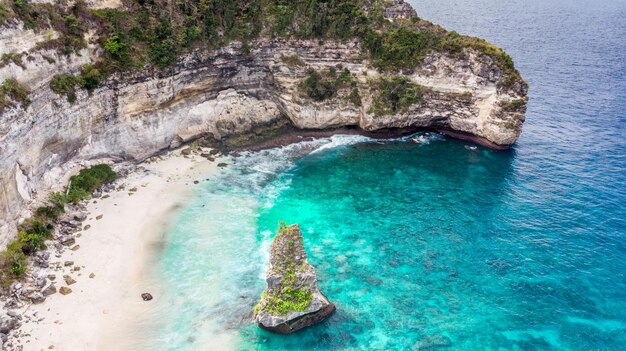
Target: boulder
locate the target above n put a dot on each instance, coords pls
(40, 282)
(12, 302)
(68, 241)
(41, 259)
(70, 223)
(9, 324)
(291, 300)
(69, 280)
(50, 290)
(64, 290)
(80, 216)
(37, 298)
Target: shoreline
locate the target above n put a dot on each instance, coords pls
(106, 312)
(111, 261)
(290, 135)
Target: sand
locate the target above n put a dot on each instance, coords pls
(106, 312)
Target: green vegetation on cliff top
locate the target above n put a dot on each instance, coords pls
(33, 233)
(157, 31)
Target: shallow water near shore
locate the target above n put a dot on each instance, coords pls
(449, 246)
(435, 242)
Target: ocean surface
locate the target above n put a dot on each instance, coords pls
(434, 244)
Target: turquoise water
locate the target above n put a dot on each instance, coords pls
(415, 243)
(409, 240)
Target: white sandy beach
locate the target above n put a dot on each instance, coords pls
(105, 312)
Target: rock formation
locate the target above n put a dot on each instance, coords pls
(222, 93)
(291, 300)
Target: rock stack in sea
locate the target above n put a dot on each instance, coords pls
(291, 300)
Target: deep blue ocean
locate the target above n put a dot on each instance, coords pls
(434, 245)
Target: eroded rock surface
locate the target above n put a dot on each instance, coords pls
(291, 300)
(224, 93)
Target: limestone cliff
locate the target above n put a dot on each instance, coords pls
(221, 93)
(292, 300)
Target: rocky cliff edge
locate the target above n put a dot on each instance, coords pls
(240, 89)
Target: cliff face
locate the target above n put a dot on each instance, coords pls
(222, 93)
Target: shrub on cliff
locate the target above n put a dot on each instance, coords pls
(32, 235)
(13, 265)
(90, 77)
(34, 232)
(66, 84)
(12, 57)
(33, 16)
(319, 88)
(4, 13)
(31, 238)
(289, 300)
(51, 212)
(116, 46)
(11, 92)
(399, 48)
(394, 95)
(514, 105)
(323, 85)
(87, 180)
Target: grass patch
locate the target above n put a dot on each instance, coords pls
(467, 96)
